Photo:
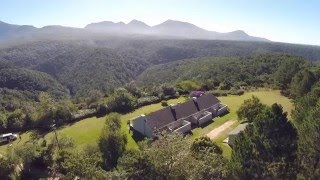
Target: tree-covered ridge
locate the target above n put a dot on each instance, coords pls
(259, 70)
(108, 63)
(26, 79)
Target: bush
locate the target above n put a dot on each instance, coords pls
(219, 93)
(147, 100)
(164, 103)
(238, 92)
(184, 87)
(121, 101)
(102, 110)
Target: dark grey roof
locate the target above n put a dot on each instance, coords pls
(239, 128)
(185, 109)
(206, 101)
(158, 119)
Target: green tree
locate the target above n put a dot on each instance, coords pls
(121, 101)
(171, 158)
(16, 119)
(81, 164)
(137, 165)
(301, 83)
(205, 144)
(267, 148)
(112, 141)
(307, 121)
(168, 90)
(250, 109)
(8, 164)
(187, 86)
(287, 70)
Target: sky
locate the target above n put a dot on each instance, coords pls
(293, 21)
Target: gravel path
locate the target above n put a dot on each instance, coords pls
(218, 130)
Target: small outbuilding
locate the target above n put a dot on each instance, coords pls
(235, 132)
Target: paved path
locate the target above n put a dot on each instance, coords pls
(218, 130)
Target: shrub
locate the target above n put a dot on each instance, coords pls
(164, 103)
(238, 92)
(121, 101)
(147, 100)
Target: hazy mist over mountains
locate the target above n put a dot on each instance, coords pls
(169, 29)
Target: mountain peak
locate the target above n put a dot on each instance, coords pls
(176, 24)
(135, 22)
(168, 29)
(239, 32)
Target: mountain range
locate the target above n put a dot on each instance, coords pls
(169, 29)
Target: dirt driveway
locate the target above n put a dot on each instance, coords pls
(218, 130)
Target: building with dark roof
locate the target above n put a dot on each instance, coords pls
(161, 118)
(178, 118)
(235, 132)
(185, 109)
(207, 101)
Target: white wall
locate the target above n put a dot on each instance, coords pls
(139, 124)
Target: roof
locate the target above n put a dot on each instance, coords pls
(206, 101)
(197, 93)
(238, 129)
(185, 109)
(4, 135)
(158, 119)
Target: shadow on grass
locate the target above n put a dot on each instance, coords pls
(4, 143)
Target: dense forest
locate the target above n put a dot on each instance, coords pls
(84, 65)
(257, 70)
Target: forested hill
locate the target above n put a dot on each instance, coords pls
(255, 70)
(104, 64)
(21, 79)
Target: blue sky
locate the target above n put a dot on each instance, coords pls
(294, 21)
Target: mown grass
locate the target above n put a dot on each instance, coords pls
(88, 130)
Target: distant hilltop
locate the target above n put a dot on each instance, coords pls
(169, 29)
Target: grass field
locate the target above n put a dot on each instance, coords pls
(88, 130)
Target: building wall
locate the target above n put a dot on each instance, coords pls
(222, 110)
(205, 119)
(191, 119)
(139, 124)
(184, 129)
(214, 109)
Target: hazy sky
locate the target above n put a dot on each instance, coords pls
(294, 21)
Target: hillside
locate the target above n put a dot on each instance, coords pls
(25, 79)
(256, 70)
(104, 64)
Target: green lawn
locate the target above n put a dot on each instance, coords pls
(88, 130)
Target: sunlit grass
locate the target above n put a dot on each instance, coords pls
(87, 131)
